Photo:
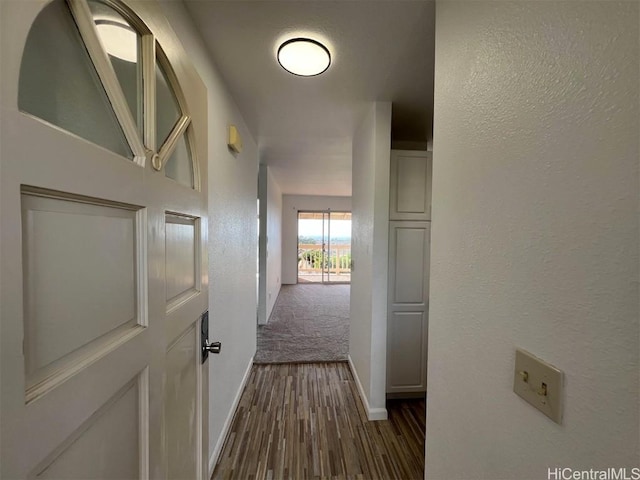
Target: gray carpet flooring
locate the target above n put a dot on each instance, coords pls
(309, 323)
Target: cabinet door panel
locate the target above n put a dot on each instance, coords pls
(408, 315)
(409, 272)
(407, 348)
(410, 189)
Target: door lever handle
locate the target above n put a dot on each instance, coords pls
(213, 347)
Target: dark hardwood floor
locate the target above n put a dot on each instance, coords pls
(306, 421)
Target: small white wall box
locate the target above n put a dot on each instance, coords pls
(235, 141)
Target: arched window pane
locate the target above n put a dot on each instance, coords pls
(179, 166)
(167, 107)
(59, 84)
(121, 41)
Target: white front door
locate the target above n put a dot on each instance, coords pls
(103, 260)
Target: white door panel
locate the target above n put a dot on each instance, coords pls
(182, 258)
(407, 337)
(109, 444)
(410, 248)
(60, 238)
(410, 185)
(103, 282)
(408, 306)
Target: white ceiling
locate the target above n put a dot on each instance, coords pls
(381, 50)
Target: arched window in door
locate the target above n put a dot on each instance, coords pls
(92, 68)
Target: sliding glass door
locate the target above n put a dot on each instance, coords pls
(324, 247)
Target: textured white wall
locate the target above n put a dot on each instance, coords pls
(361, 250)
(232, 233)
(535, 235)
(291, 205)
(270, 243)
(262, 244)
(274, 241)
(369, 250)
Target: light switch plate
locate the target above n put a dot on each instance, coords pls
(539, 383)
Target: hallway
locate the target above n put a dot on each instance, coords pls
(309, 323)
(306, 421)
(155, 156)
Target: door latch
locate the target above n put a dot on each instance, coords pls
(207, 348)
(213, 347)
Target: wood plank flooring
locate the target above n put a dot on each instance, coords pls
(306, 421)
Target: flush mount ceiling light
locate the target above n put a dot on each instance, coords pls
(119, 40)
(304, 57)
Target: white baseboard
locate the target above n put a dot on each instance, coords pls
(372, 413)
(378, 414)
(227, 423)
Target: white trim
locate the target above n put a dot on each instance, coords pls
(142, 273)
(373, 414)
(143, 421)
(202, 402)
(86, 26)
(172, 141)
(148, 46)
(227, 423)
